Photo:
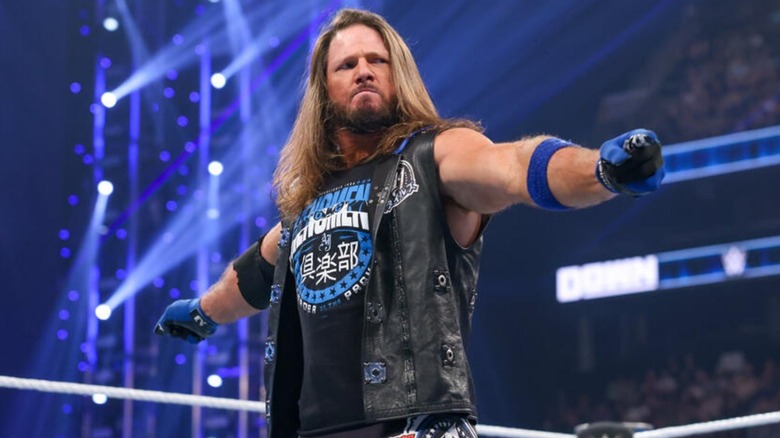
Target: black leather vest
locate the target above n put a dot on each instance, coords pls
(418, 305)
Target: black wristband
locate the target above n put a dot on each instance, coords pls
(255, 276)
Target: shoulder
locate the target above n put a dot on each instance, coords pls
(456, 136)
(456, 141)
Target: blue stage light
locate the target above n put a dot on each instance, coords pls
(215, 168)
(218, 80)
(214, 381)
(103, 312)
(105, 188)
(108, 99)
(110, 24)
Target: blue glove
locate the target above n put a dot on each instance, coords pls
(631, 164)
(186, 319)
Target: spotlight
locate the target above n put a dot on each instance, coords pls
(105, 188)
(218, 80)
(111, 24)
(108, 99)
(99, 399)
(214, 381)
(216, 168)
(103, 312)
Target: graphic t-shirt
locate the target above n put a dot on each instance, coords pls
(330, 258)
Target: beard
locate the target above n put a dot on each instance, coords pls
(362, 120)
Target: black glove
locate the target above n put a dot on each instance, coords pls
(631, 164)
(186, 319)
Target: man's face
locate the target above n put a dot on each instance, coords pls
(360, 81)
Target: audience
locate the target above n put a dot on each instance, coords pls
(680, 392)
(725, 78)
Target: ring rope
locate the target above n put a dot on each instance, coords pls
(132, 394)
(507, 432)
(712, 426)
(255, 406)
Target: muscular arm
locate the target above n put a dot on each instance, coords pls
(486, 178)
(223, 302)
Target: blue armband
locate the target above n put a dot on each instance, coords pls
(538, 186)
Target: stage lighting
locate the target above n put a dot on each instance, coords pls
(214, 381)
(105, 188)
(108, 99)
(103, 312)
(111, 24)
(99, 399)
(218, 80)
(216, 168)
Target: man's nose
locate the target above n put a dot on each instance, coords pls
(364, 72)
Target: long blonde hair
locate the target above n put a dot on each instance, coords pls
(310, 154)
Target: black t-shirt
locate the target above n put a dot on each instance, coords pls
(330, 258)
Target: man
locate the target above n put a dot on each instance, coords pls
(371, 274)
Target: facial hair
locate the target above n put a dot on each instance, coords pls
(362, 120)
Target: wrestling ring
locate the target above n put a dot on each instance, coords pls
(595, 430)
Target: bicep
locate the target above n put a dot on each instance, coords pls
(270, 246)
(480, 175)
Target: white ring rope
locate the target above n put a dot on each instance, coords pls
(132, 394)
(255, 406)
(508, 432)
(712, 426)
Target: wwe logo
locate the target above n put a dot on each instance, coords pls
(734, 261)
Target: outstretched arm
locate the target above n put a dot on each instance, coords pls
(486, 177)
(234, 296)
